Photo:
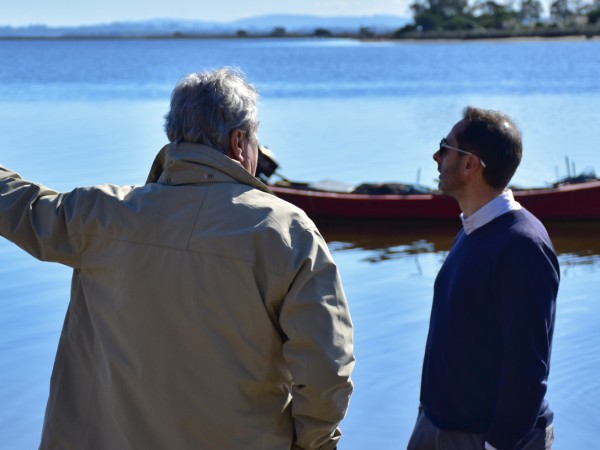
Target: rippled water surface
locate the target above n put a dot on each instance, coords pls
(85, 112)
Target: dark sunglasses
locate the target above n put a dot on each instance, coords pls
(444, 145)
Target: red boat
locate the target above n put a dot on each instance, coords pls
(573, 199)
(580, 201)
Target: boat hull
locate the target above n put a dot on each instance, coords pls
(579, 201)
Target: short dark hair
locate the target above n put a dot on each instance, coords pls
(496, 139)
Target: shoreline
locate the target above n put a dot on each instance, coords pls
(441, 36)
(569, 38)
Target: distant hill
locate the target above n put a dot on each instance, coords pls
(303, 24)
(308, 23)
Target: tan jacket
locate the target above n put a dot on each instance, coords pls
(205, 312)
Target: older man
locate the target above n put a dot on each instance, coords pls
(487, 355)
(205, 313)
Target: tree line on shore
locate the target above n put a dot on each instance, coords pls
(431, 19)
(523, 17)
(466, 19)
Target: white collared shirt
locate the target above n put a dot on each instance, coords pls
(504, 203)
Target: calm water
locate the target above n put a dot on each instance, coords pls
(84, 112)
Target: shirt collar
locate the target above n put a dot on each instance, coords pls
(504, 203)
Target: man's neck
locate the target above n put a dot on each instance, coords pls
(476, 197)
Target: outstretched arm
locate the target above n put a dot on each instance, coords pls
(38, 219)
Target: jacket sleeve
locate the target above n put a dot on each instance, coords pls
(319, 346)
(527, 289)
(36, 219)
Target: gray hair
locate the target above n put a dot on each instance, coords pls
(207, 106)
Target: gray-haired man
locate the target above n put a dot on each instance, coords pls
(205, 312)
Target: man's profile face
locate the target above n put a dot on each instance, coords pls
(448, 162)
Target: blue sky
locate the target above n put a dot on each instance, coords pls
(83, 12)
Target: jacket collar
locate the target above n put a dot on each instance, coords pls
(185, 163)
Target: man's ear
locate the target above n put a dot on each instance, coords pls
(469, 162)
(236, 145)
(471, 165)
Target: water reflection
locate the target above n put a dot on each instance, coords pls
(577, 243)
(384, 241)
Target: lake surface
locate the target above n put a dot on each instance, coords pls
(85, 112)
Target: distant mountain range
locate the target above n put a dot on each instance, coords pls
(302, 24)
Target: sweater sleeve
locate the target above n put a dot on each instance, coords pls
(319, 347)
(527, 283)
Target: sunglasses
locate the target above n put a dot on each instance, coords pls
(444, 145)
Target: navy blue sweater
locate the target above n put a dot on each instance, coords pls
(488, 350)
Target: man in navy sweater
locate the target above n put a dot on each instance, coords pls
(487, 355)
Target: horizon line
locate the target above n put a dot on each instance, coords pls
(208, 21)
